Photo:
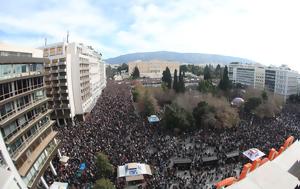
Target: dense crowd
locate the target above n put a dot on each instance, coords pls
(115, 129)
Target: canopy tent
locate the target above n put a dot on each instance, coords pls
(82, 166)
(59, 185)
(64, 159)
(134, 169)
(153, 119)
(232, 154)
(253, 154)
(237, 101)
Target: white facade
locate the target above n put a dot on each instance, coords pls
(280, 80)
(247, 74)
(84, 75)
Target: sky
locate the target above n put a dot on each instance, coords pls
(266, 31)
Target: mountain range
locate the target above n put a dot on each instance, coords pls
(187, 58)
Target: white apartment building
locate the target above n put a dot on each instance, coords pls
(75, 79)
(280, 80)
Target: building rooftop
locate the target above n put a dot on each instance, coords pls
(19, 60)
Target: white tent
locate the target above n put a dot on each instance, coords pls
(134, 169)
(64, 159)
(237, 101)
(59, 185)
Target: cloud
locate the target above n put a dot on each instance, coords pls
(265, 31)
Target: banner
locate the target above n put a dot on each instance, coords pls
(253, 154)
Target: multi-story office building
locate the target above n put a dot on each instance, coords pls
(75, 77)
(153, 68)
(27, 140)
(280, 80)
(247, 74)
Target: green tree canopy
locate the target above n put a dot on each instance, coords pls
(225, 83)
(167, 78)
(175, 82)
(205, 86)
(201, 112)
(176, 117)
(207, 74)
(149, 107)
(252, 103)
(218, 70)
(136, 73)
(103, 184)
(105, 169)
(264, 96)
(181, 85)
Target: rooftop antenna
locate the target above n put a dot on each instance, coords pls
(67, 36)
(45, 41)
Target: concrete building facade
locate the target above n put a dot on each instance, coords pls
(153, 68)
(75, 78)
(27, 140)
(280, 80)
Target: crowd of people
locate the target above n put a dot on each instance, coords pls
(115, 129)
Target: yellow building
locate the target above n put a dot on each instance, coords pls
(153, 68)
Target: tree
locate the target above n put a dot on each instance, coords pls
(167, 78)
(225, 82)
(252, 103)
(205, 86)
(207, 75)
(181, 86)
(218, 71)
(109, 72)
(175, 82)
(201, 112)
(104, 168)
(104, 184)
(183, 69)
(149, 106)
(136, 73)
(123, 67)
(135, 94)
(264, 96)
(176, 117)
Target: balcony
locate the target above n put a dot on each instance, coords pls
(52, 151)
(15, 114)
(23, 170)
(64, 98)
(65, 106)
(62, 63)
(16, 76)
(62, 77)
(62, 70)
(21, 92)
(63, 90)
(64, 84)
(29, 141)
(22, 129)
(54, 71)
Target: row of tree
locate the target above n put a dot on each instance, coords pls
(178, 82)
(206, 85)
(178, 118)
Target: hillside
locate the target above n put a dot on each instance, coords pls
(191, 58)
